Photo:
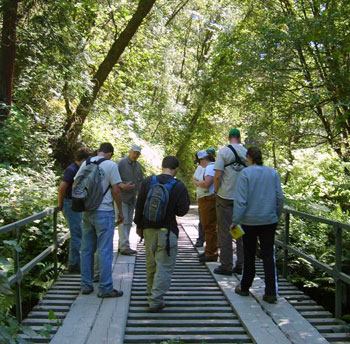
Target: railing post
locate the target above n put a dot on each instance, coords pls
(18, 297)
(55, 242)
(338, 268)
(286, 243)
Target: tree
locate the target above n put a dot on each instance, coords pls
(7, 55)
(75, 120)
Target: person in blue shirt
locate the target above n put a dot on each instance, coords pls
(73, 218)
(258, 206)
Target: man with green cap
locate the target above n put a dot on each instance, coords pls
(229, 162)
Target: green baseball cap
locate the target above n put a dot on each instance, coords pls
(234, 132)
(211, 150)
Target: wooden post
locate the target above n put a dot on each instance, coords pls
(286, 243)
(338, 268)
(18, 297)
(55, 242)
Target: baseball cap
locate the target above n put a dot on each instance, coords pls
(202, 154)
(136, 148)
(234, 132)
(211, 150)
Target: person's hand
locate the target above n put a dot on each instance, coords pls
(139, 232)
(233, 225)
(120, 219)
(129, 186)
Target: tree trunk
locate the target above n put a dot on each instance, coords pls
(74, 124)
(7, 55)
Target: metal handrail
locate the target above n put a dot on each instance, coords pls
(336, 272)
(20, 272)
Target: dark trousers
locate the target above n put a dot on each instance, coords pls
(266, 235)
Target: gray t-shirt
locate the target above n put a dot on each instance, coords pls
(130, 172)
(231, 172)
(111, 177)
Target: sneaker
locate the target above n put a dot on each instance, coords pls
(205, 259)
(220, 271)
(241, 292)
(237, 270)
(201, 255)
(199, 243)
(270, 298)
(156, 308)
(113, 293)
(87, 291)
(128, 252)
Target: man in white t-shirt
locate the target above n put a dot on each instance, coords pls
(206, 203)
(229, 162)
(98, 228)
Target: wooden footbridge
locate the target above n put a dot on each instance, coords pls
(201, 307)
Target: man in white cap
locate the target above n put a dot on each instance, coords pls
(131, 174)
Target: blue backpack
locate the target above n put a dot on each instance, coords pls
(157, 200)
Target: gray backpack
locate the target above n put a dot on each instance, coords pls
(87, 191)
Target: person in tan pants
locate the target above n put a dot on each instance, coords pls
(207, 207)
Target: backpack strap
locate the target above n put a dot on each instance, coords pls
(98, 162)
(237, 158)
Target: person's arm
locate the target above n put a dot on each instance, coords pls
(118, 200)
(140, 204)
(61, 193)
(240, 199)
(127, 186)
(208, 180)
(279, 195)
(217, 180)
(183, 202)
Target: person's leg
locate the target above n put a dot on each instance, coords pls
(267, 244)
(88, 248)
(201, 237)
(165, 267)
(224, 209)
(124, 228)
(151, 242)
(74, 220)
(104, 223)
(208, 216)
(239, 252)
(249, 244)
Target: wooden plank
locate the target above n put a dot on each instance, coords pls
(76, 326)
(110, 324)
(288, 319)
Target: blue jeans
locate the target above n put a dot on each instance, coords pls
(124, 228)
(98, 232)
(73, 219)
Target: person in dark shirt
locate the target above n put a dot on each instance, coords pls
(73, 218)
(161, 239)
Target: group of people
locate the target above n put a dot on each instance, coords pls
(232, 188)
(236, 188)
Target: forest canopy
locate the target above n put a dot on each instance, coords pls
(174, 76)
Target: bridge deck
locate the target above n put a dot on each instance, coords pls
(201, 307)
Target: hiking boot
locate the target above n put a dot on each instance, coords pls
(156, 308)
(87, 291)
(270, 298)
(220, 271)
(128, 252)
(237, 270)
(205, 259)
(241, 292)
(199, 243)
(113, 293)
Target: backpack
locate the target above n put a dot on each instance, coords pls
(157, 200)
(238, 164)
(87, 191)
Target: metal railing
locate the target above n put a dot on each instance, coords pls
(22, 271)
(336, 272)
